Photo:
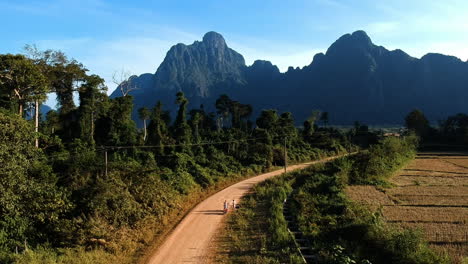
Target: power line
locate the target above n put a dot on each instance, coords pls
(189, 145)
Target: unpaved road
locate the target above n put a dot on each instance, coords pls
(189, 241)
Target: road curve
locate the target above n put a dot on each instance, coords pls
(190, 240)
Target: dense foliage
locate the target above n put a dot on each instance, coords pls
(380, 161)
(85, 177)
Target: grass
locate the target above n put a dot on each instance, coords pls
(256, 233)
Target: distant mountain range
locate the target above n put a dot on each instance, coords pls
(355, 80)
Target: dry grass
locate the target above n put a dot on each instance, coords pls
(435, 165)
(459, 161)
(440, 232)
(461, 191)
(425, 214)
(431, 194)
(368, 195)
(456, 251)
(431, 200)
(439, 180)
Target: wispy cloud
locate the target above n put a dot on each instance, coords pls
(383, 27)
(52, 8)
(331, 3)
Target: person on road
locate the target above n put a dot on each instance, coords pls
(233, 205)
(225, 206)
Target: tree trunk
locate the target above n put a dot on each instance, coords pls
(36, 119)
(144, 125)
(20, 109)
(92, 126)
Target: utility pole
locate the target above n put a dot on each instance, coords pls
(285, 156)
(105, 157)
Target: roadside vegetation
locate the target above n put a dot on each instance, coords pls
(339, 230)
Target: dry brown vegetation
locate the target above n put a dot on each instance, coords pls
(369, 195)
(431, 195)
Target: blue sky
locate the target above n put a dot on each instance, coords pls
(108, 36)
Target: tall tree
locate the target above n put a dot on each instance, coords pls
(223, 106)
(24, 81)
(324, 118)
(93, 104)
(309, 124)
(144, 114)
(157, 128)
(416, 121)
(268, 120)
(181, 128)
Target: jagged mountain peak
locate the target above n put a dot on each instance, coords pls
(263, 64)
(355, 79)
(264, 67)
(214, 39)
(359, 40)
(361, 36)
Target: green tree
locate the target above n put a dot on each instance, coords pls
(223, 106)
(93, 104)
(22, 80)
(309, 126)
(268, 120)
(117, 128)
(417, 122)
(181, 129)
(157, 128)
(31, 206)
(324, 118)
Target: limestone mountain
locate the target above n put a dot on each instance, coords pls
(354, 80)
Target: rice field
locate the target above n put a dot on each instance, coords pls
(368, 195)
(430, 195)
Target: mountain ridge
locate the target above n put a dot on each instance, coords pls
(353, 80)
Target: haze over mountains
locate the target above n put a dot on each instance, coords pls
(354, 80)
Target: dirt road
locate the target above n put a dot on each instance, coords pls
(189, 241)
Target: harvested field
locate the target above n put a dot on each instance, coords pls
(431, 195)
(431, 200)
(440, 232)
(425, 214)
(435, 165)
(368, 195)
(461, 191)
(439, 180)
